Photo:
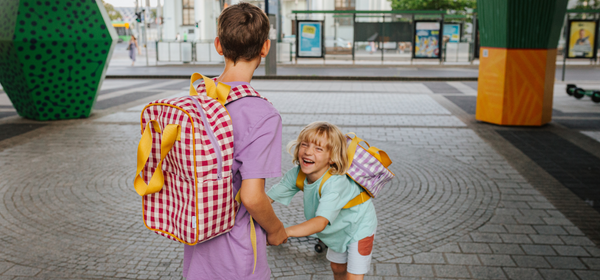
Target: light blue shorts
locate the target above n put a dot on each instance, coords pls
(358, 255)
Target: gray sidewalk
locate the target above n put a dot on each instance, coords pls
(469, 200)
(120, 65)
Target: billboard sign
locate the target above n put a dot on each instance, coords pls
(582, 39)
(452, 33)
(309, 39)
(427, 39)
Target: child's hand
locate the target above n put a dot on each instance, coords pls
(277, 238)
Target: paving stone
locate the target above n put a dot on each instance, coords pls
(592, 263)
(485, 272)
(546, 239)
(4, 266)
(485, 237)
(515, 238)
(385, 269)
(577, 240)
(576, 251)
(492, 228)
(474, 248)
(566, 262)
(554, 230)
(417, 270)
(452, 271)
(555, 274)
(19, 270)
(510, 249)
(519, 229)
(502, 220)
(462, 259)
(531, 261)
(539, 250)
(496, 260)
(529, 220)
(448, 248)
(573, 230)
(429, 258)
(594, 251)
(557, 221)
(522, 273)
(541, 205)
(588, 275)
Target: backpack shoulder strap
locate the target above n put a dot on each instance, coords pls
(359, 199)
(325, 178)
(300, 180)
(301, 177)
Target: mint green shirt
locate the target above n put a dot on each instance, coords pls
(345, 226)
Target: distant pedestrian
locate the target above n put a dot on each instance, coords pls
(133, 49)
(345, 226)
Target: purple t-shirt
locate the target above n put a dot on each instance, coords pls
(257, 154)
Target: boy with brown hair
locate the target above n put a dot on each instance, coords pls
(243, 40)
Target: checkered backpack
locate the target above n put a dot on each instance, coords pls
(184, 160)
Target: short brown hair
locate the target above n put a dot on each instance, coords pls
(335, 144)
(243, 29)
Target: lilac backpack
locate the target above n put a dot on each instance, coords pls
(368, 168)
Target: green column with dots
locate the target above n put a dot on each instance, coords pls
(54, 55)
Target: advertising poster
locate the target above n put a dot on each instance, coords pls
(310, 39)
(582, 39)
(451, 33)
(427, 39)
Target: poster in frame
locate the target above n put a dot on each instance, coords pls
(581, 40)
(452, 32)
(427, 41)
(310, 39)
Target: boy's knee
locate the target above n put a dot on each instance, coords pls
(339, 267)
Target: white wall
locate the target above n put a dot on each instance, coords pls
(170, 20)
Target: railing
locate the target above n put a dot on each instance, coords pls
(205, 52)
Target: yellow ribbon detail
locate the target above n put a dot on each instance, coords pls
(171, 133)
(220, 92)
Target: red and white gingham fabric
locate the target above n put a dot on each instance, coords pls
(194, 205)
(368, 171)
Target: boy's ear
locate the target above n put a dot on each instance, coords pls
(218, 46)
(265, 48)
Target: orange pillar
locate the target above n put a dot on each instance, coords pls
(517, 60)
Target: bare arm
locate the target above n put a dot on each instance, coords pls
(312, 226)
(258, 205)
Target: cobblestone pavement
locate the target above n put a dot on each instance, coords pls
(465, 203)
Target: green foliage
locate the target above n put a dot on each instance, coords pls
(457, 5)
(588, 4)
(112, 13)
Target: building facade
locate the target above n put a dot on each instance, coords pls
(196, 20)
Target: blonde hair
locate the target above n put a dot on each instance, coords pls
(336, 144)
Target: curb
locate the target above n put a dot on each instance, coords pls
(299, 77)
